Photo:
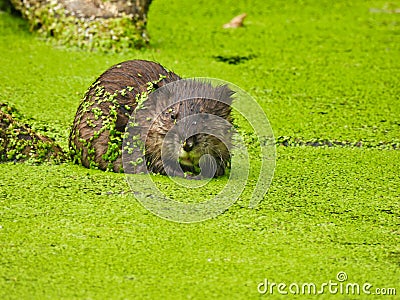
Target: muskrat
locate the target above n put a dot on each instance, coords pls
(135, 87)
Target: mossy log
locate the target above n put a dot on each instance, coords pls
(91, 24)
(18, 142)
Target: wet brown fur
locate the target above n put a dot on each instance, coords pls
(169, 110)
(161, 109)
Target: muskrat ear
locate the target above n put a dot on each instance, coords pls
(161, 99)
(224, 94)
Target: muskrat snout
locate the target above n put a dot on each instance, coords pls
(187, 155)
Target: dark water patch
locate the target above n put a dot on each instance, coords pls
(233, 59)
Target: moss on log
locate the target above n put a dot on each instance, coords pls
(18, 142)
(105, 25)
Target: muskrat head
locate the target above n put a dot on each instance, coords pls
(192, 131)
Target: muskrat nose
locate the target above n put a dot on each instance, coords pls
(188, 144)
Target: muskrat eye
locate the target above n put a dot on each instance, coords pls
(189, 143)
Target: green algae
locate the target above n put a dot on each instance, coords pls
(69, 232)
